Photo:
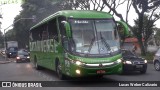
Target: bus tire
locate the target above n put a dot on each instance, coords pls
(60, 75)
(36, 64)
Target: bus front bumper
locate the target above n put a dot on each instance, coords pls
(80, 71)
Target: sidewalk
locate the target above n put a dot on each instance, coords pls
(3, 60)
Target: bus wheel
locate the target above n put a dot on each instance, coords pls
(36, 64)
(59, 71)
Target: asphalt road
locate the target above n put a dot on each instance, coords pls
(13, 71)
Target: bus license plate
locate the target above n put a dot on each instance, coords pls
(101, 71)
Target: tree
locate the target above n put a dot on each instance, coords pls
(1, 39)
(10, 35)
(43, 8)
(97, 5)
(148, 29)
(38, 8)
(157, 37)
(112, 5)
(142, 7)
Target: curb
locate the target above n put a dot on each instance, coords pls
(4, 62)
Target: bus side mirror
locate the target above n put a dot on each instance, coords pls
(123, 29)
(67, 28)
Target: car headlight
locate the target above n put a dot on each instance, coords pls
(18, 57)
(10, 53)
(128, 62)
(119, 61)
(28, 57)
(145, 61)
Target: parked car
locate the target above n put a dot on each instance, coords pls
(132, 62)
(156, 60)
(22, 56)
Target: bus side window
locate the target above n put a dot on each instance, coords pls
(44, 35)
(30, 36)
(52, 29)
(61, 25)
(43, 32)
(35, 34)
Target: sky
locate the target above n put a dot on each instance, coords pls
(10, 11)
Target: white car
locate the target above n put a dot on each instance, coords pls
(156, 60)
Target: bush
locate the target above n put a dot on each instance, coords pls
(149, 56)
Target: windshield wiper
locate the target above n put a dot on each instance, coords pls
(90, 46)
(106, 44)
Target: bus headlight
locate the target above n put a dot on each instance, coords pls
(145, 61)
(78, 63)
(119, 61)
(128, 62)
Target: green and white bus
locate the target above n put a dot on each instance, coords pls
(78, 43)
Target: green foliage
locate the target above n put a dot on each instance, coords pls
(149, 56)
(157, 37)
(42, 9)
(38, 8)
(145, 33)
(10, 35)
(148, 27)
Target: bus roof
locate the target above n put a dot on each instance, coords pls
(75, 14)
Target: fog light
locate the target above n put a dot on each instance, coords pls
(78, 71)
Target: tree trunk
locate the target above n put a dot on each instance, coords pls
(143, 51)
(145, 46)
(140, 37)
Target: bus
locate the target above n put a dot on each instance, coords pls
(78, 43)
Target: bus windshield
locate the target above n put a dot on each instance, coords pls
(94, 37)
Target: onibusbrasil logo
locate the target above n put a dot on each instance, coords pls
(2, 2)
